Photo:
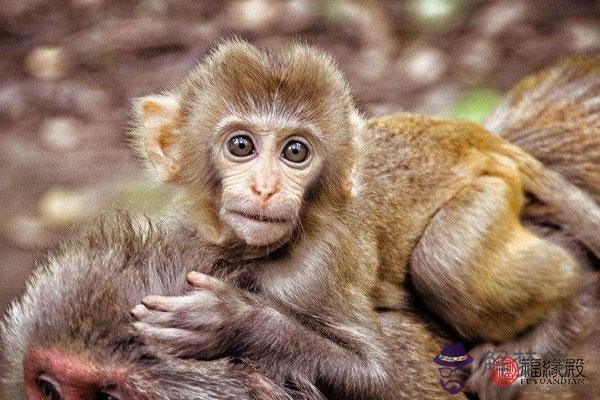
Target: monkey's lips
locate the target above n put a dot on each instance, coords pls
(257, 229)
(259, 217)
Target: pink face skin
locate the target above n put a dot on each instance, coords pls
(52, 374)
(265, 172)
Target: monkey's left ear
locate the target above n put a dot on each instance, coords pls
(157, 134)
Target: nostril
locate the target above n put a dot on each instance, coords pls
(106, 395)
(264, 194)
(254, 189)
(48, 387)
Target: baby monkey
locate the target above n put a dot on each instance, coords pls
(313, 217)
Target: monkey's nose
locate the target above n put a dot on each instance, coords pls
(264, 193)
(53, 375)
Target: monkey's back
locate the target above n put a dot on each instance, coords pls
(410, 166)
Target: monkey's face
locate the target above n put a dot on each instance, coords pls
(265, 172)
(255, 139)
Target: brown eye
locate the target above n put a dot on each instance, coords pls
(295, 151)
(240, 146)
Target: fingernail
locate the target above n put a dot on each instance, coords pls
(196, 277)
(150, 301)
(137, 310)
(139, 325)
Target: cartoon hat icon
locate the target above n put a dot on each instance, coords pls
(453, 355)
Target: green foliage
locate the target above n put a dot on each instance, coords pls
(436, 14)
(339, 12)
(476, 104)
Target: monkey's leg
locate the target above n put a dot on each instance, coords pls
(482, 271)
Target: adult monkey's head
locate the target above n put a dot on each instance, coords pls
(259, 140)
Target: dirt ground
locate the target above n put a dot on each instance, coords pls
(70, 68)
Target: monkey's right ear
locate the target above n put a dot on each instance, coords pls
(156, 134)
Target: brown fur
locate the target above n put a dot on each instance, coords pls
(454, 215)
(554, 115)
(438, 199)
(78, 300)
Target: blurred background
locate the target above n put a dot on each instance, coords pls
(69, 69)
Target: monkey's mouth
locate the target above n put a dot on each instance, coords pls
(258, 217)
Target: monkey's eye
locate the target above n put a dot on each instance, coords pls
(48, 388)
(240, 146)
(295, 151)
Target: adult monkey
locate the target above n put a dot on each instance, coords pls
(322, 231)
(70, 336)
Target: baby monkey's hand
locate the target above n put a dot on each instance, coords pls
(203, 324)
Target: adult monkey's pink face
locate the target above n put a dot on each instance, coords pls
(256, 139)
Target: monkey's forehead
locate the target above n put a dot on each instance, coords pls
(291, 78)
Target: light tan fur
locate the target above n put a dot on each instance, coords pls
(449, 205)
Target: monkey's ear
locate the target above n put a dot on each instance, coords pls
(156, 135)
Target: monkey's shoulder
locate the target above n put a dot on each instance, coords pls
(431, 134)
(424, 144)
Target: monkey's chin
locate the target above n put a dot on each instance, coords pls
(256, 232)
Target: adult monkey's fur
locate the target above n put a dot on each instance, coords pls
(76, 305)
(436, 200)
(57, 331)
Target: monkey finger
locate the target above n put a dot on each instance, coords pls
(203, 281)
(160, 334)
(181, 342)
(143, 314)
(190, 322)
(175, 303)
(139, 311)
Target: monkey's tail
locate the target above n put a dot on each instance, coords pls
(554, 115)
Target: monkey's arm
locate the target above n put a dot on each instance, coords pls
(347, 358)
